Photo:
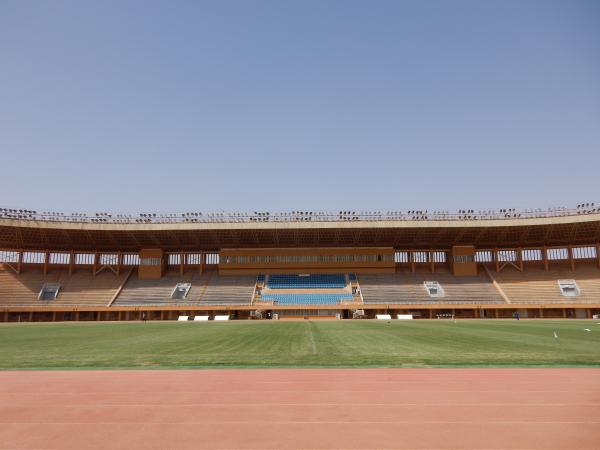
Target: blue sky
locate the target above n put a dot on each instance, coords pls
(281, 105)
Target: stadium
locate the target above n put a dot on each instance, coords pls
(307, 265)
(311, 314)
(299, 225)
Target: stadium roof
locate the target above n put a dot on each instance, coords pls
(396, 231)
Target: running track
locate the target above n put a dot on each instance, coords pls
(302, 409)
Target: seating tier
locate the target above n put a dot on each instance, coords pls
(209, 288)
(307, 299)
(81, 288)
(408, 287)
(312, 281)
(535, 285)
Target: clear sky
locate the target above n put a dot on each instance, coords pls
(285, 105)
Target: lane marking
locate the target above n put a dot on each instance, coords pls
(296, 422)
(224, 405)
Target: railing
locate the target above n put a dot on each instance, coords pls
(295, 216)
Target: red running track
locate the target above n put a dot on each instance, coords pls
(302, 409)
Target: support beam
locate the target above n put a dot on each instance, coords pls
(95, 265)
(71, 262)
(119, 262)
(520, 258)
(46, 261)
(181, 262)
(545, 258)
(571, 259)
(20, 262)
(496, 260)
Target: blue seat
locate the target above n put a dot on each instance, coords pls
(313, 281)
(306, 299)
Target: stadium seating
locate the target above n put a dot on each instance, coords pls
(208, 288)
(408, 287)
(158, 292)
(228, 290)
(307, 299)
(79, 289)
(312, 281)
(535, 285)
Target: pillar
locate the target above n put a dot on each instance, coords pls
(571, 259)
(20, 262)
(496, 260)
(520, 255)
(95, 265)
(119, 262)
(71, 262)
(46, 261)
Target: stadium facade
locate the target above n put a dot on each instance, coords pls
(299, 265)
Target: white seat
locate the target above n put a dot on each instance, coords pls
(183, 318)
(221, 317)
(404, 316)
(383, 317)
(201, 318)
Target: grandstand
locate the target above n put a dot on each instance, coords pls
(77, 266)
(411, 287)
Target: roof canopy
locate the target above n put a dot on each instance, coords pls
(425, 234)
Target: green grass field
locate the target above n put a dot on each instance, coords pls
(422, 343)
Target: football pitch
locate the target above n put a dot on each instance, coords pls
(418, 343)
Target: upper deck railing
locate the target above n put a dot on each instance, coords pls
(296, 216)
